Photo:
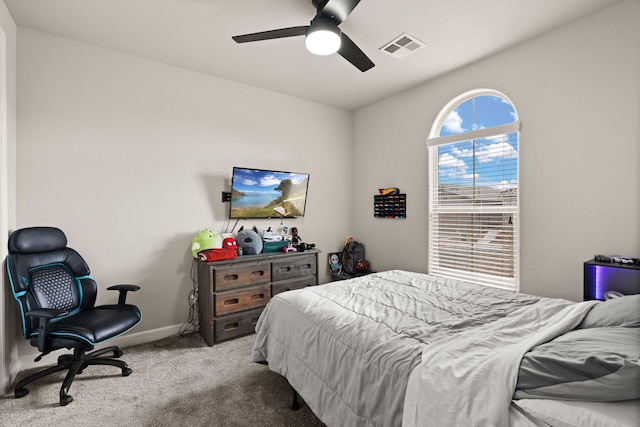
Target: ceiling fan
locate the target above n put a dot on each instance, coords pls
(322, 36)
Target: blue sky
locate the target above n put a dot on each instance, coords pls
(495, 157)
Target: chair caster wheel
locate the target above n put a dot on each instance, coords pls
(117, 354)
(126, 372)
(22, 392)
(65, 400)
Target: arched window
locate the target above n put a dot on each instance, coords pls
(473, 190)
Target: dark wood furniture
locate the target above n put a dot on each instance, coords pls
(233, 293)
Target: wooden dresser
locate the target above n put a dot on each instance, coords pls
(233, 293)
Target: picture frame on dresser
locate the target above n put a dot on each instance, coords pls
(335, 262)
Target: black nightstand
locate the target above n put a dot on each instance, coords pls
(602, 277)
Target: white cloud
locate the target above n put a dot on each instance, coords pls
(248, 181)
(449, 161)
(451, 166)
(506, 185)
(453, 123)
(269, 180)
(487, 152)
(465, 152)
(502, 149)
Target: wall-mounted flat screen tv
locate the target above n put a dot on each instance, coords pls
(260, 193)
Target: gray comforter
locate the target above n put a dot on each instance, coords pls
(470, 380)
(349, 348)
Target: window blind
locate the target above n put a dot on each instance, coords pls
(473, 206)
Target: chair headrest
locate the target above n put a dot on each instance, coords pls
(35, 240)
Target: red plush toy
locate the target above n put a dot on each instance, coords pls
(211, 255)
(229, 242)
(229, 250)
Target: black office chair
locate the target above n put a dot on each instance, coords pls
(56, 298)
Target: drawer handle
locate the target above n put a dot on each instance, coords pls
(257, 297)
(230, 326)
(230, 277)
(231, 301)
(257, 273)
(305, 267)
(284, 269)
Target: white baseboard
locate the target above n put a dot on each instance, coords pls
(127, 340)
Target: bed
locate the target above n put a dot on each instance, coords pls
(398, 348)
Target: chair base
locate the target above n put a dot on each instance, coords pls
(75, 364)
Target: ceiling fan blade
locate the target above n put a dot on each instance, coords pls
(272, 34)
(352, 53)
(337, 10)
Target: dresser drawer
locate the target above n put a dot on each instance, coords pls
(241, 299)
(235, 325)
(292, 268)
(233, 293)
(290, 285)
(233, 276)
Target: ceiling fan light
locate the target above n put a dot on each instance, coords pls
(323, 41)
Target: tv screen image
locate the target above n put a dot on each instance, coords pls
(260, 193)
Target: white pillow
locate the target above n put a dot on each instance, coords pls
(594, 364)
(621, 311)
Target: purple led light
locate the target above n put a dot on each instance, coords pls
(599, 281)
(602, 278)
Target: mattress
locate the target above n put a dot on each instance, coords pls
(401, 348)
(565, 413)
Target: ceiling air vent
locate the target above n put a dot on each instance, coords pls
(402, 46)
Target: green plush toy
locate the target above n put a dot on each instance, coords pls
(206, 239)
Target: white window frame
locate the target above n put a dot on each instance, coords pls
(511, 282)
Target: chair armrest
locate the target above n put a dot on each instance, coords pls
(123, 289)
(44, 315)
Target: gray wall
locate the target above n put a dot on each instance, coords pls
(129, 157)
(577, 91)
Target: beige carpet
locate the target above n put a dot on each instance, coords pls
(183, 383)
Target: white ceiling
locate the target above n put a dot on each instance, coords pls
(196, 35)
